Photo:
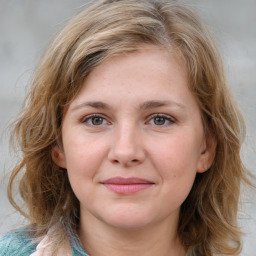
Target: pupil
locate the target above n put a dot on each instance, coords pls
(97, 120)
(159, 120)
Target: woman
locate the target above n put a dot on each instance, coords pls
(130, 139)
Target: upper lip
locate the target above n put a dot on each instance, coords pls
(126, 181)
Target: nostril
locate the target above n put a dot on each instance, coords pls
(125, 154)
(132, 161)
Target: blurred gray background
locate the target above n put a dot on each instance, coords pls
(27, 26)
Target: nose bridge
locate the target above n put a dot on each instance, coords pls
(127, 147)
(126, 137)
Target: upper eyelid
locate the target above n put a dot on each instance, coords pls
(86, 117)
(161, 115)
(168, 118)
(108, 119)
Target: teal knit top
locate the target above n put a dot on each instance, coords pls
(19, 243)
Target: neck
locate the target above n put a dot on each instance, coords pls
(158, 239)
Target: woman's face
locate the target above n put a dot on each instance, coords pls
(133, 141)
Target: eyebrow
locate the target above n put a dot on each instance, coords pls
(155, 104)
(92, 104)
(144, 106)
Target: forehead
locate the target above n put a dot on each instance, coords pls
(150, 74)
(147, 62)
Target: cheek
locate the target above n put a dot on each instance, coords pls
(176, 158)
(81, 170)
(83, 165)
(83, 153)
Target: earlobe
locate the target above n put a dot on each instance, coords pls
(207, 155)
(58, 156)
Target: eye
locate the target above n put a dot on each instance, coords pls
(94, 120)
(161, 120)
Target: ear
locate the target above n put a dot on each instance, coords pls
(207, 154)
(58, 156)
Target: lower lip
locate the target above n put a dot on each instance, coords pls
(127, 189)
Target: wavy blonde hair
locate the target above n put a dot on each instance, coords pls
(208, 217)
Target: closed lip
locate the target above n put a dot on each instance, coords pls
(127, 186)
(126, 181)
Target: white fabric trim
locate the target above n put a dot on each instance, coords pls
(44, 248)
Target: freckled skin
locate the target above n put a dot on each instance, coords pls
(129, 141)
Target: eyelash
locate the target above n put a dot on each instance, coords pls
(88, 119)
(166, 118)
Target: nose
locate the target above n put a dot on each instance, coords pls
(127, 147)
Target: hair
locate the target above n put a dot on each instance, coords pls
(208, 217)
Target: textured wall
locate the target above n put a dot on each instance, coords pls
(27, 26)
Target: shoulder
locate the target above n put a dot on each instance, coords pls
(17, 243)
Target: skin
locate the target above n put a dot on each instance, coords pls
(134, 117)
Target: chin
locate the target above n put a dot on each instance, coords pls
(127, 219)
(128, 223)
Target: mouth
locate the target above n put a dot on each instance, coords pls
(127, 186)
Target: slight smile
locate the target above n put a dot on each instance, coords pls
(127, 186)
